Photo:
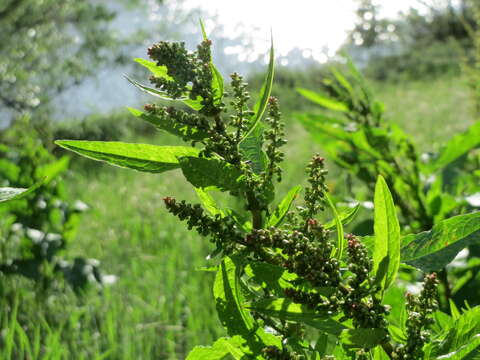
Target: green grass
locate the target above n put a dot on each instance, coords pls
(431, 111)
(161, 307)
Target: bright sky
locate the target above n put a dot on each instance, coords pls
(306, 24)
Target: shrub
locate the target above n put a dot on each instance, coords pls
(36, 229)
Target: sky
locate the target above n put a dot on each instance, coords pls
(318, 26)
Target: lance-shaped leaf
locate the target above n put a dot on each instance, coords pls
(11, 194)
(208, 202)
(342, 80)
(234, 317)
(282, 208)
(274, 278)
(183, 131)
(338, 223)
(346, 217)
(261, 104)
(220, 350)
(286, 309)
(327, 132)
(53, 169)
(251, 148)
(386, 253)
(195, 104)
(432, 250)
(324, 101)
(229, 299)
(141, 157)
(471, 351)
(156, 70)
(211, 174)
(152, 91)
(457, 146)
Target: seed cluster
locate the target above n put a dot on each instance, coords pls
(315, 193)
(420, 310)
(275, 135)
(223, 231)
(274, 353)
(187, 123)
(180, 65)
(189, 73)
(239, 104)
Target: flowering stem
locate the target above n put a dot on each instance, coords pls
(442, 276)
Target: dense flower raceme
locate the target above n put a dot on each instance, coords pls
(301, 245)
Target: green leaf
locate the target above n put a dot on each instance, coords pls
(195, 104)
(340, 236)
(345, 217)
(202, 27)
(142, 157)
(219, 350)
(432, 250)
(251, 148)
(211, 174)
(342, 80)
(458, 334)
(229, 299)
(156, 70)
(152, 91)
(53, 169)
(286, 309)
(362, 338)
(386, 253)
(337, 136)
(242, 220)
(183, 131)
(454, 310)
(274, 278)
(11, 194)
(282, 208)
(380, 354)
(208, 202)
(261, 104)
(469, 351)
(217, 84)
(457, 146)
(324, 101)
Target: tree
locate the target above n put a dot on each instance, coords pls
(369, 27)
(46, 46)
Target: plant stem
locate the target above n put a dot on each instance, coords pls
(442, 276)
(388, 348)
(257, 222)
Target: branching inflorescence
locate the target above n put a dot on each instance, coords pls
(302, 246)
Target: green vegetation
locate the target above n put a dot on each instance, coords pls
(281, 270)
(299, 266)
(148, 250)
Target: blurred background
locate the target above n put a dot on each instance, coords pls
(132, 266)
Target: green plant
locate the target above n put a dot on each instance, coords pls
(35, 229)
(471, 62)
(285, 288)
(426, 188)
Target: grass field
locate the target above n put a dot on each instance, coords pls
(160, 307)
